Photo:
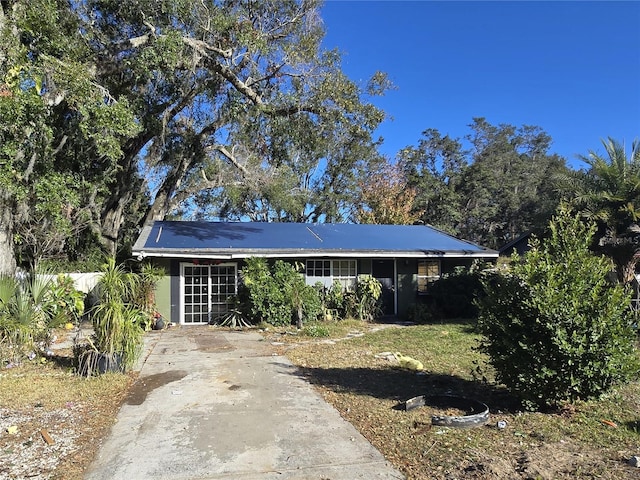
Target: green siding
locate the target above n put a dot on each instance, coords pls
(163, 291)
(163, 298)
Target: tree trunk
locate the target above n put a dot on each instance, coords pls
(627, 270)
(112, 216)
(7, 252)
(162, 203)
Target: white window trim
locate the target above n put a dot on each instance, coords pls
(327, 281)
(429, 278)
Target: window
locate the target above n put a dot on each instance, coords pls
(326, 271)
(428, 272)
(318, 268)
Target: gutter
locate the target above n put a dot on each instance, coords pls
(141, 255)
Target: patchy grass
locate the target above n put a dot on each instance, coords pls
(75, 412)
(588, 440)
(591, 439)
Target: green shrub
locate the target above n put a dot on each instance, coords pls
(265, 299)
(421, 313)
(368, 292)
(334, 300)
(27, 316)
(67, 303)
(455, 294)
(555, 328)
(278, 295)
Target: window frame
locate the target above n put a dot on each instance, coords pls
(344, 270)
(428, 277)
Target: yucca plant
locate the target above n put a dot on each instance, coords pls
(117, 332)
(117, 324)
(116, 283)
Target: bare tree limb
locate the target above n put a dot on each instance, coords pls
(232, 158)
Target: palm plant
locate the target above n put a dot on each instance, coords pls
(26, 317)
(608, 192)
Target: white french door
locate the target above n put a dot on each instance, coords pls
(205, 291)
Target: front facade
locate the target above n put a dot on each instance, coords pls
(203, 260)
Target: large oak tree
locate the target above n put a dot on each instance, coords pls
(149, 108)
(60, 131)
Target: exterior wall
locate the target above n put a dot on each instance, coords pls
(406, 283)
(163, 290)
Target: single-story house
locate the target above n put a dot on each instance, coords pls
(203, 259)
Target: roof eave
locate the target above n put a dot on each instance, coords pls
(276, 253)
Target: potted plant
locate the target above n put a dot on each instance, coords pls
(117, 323)
(144, 296)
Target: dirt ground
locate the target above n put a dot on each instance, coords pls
(57, 440)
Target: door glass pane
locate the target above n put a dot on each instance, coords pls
(223, 286)
(195, 297)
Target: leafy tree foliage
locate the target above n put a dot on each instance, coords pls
(238, 106)
(434, 169)
(608, 193)
(147, 108)
(491, 193)
(555, 327)
(278, 295)
(506, 189)
(59, 130)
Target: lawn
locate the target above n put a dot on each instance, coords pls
(593, 439)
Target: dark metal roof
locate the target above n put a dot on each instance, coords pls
(182, 238)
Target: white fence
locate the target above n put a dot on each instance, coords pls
(85, 282)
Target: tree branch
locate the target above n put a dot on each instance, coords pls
(203, 47)
(234, 161)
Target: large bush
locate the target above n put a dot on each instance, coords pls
(455, 295)
(278, 295)
(555, 327)
(362, 302)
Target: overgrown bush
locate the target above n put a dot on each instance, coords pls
(278, 295)
(333, 300)
(555, 328)
(421, 313)
(66, 303)
(368, 292)
(456, 293)
(361, 302)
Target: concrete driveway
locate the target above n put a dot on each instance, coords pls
(213, 404)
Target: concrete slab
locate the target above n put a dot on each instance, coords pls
(213, 404)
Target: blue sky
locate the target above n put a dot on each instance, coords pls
(571, 68)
